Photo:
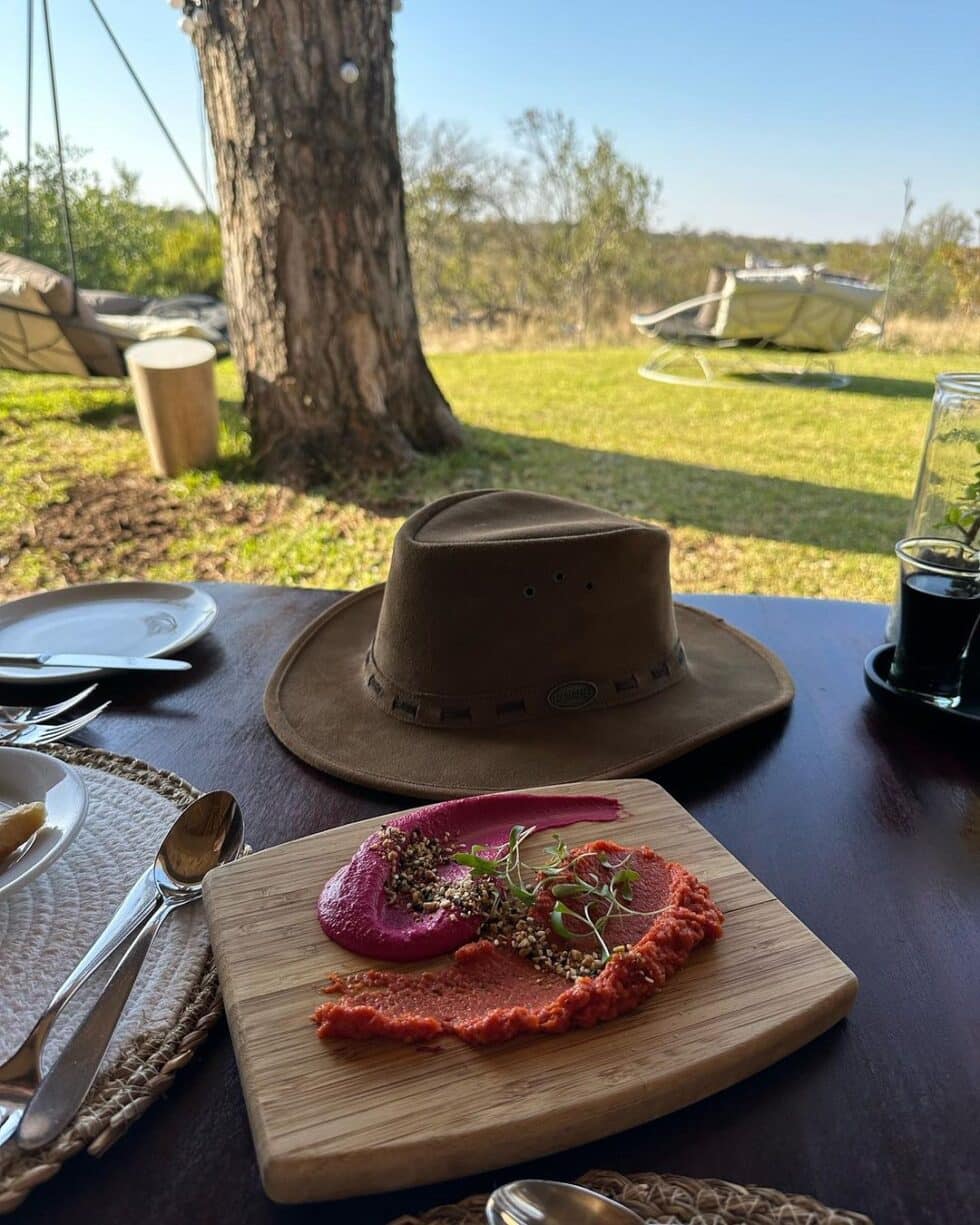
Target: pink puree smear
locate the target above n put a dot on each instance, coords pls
(353, 910)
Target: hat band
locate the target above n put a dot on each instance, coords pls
(493, 710)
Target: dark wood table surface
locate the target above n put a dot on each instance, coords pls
(863, 825)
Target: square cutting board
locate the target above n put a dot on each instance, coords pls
(342, 1118)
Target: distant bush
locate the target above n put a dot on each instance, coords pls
(120, 242)
(113, 232)
(187, 258)
(556, 233)
(546, 231)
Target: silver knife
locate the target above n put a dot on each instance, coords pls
(21, 1073)
(148, 664)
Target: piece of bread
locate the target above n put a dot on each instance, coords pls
(18, 824)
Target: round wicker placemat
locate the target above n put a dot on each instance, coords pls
(664, 1199)
(148, 1066)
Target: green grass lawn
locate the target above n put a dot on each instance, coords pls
(766, 488)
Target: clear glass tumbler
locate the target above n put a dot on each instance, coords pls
(940, 610)
(947, 493)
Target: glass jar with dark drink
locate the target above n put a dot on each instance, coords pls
(940, 602)
(947, 493)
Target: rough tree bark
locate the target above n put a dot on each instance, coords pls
(317, 277)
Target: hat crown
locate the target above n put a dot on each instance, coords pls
(489, 516)
(504, 604)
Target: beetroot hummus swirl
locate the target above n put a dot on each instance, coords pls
(354, 909)
(488, 994)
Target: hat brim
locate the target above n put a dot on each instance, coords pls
(317, 704)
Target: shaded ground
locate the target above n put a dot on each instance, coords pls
(766, 488)
(128, 523)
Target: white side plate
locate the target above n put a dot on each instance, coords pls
(27, 776)
(124, 618)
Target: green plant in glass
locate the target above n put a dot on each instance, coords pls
(963, 515)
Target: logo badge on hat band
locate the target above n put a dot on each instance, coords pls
(573, 695)
(494, 710)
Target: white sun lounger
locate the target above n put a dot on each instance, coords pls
(801, 308)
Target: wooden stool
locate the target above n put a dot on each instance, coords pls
(173, 382)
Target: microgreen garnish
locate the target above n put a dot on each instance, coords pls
(477, 864)
(563, 877)
(558, 922)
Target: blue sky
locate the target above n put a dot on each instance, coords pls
(791, 118)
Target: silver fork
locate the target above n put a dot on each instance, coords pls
(19, 735)
(41, 714)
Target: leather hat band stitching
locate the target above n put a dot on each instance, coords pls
(487, 710)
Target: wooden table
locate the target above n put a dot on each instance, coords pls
(868, 829)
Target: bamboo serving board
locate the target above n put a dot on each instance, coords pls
(344, 1118)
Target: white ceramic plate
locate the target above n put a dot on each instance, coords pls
(26, 776)
(126, 618)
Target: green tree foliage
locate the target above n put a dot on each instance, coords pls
(963, 264)
(548, 231)
(557, 231)
(187, 258)
(933, 264)
(112, 230)
(120, 242)
(451, 192)
(578, 205)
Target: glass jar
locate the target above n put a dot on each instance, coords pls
(946, 502)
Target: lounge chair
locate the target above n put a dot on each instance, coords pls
(48, 326)
(801, 308)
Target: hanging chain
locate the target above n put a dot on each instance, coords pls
(29, 125)
(65, 214)
(153, 110)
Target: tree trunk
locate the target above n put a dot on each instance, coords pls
(317, 277)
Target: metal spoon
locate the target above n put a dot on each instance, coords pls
(536, 1201)
(209, 832)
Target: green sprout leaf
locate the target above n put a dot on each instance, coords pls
(558, 924)
(477, 863)
(569, 890)
(623, 883)
(524, 896)
(578, 879)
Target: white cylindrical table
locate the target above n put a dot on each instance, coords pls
(176, 400)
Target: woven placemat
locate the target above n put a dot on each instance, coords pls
(146, 1067)
(665, 1199)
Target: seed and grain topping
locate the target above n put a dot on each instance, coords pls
(420, 881)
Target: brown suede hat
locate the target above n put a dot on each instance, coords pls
(520, 640)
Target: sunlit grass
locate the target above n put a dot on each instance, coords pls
(766, 488)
